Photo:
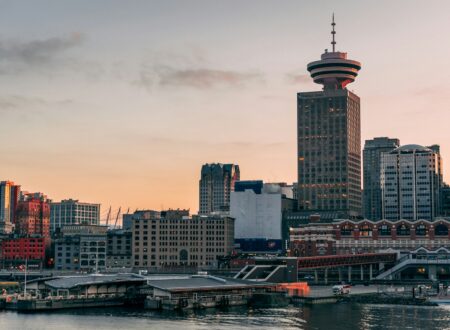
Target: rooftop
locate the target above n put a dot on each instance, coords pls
(407, 148)
(68, 282)
(199, 282)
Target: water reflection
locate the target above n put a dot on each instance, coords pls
(337, 316)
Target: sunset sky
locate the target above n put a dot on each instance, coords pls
(121, 102)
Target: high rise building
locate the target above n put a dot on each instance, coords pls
(445, 201)
(9, 197)
(33, 218)
(73, 212)
(371, 173)
(216, 184)
(329, 141)
(411, 180)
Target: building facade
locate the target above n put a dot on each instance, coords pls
(18, 251)
(355, 237)
(73, 212)
(9, 198)
(118, 252)
(445, 201)
(33, 218)
(313, 239)
(329, 139)
(216, 184)
(372, 174)
(257, 209)
(411, 179)
(173, 241)
(81, 248)
(257, 212)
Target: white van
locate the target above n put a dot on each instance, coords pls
(341, 289)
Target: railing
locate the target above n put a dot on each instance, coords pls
(345, 260)
(410, 259)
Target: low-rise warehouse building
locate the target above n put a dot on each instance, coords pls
(85, 285)
(201, 291)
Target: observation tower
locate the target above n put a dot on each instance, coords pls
(334, 70)
(329, 139)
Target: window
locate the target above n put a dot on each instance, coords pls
(421, 230)
(403, 230)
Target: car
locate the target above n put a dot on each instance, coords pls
(341, 289)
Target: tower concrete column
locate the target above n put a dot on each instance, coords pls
(316, 276)
(370, 272)
(349, 273)
(362, 273)
(326, 276)
(432, 272)
(340, 274)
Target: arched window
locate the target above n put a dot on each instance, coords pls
(403, 230)
(421, 230)
(384, 230)
(365, 230)
(441, 230)
(346, 230)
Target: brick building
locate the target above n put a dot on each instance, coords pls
(33, 218)
(350, 237)
(17, 251)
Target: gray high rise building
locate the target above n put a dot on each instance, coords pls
(216, 184)
(445, 200)
(411, 180)
(371, 173)
(329, 141)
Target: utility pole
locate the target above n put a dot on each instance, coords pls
(25, 282)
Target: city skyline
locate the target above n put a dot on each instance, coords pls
(194, 92)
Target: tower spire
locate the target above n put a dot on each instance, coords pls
(333, 33)
(334, 70)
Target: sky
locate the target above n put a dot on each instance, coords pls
(121, 102)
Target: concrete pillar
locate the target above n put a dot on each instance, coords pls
(349, 273)
(432, 272)
(362, 273)
(316, 276)
(340, 274)
(326, 276)
(370, 272)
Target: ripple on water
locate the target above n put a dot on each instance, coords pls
(330, 317)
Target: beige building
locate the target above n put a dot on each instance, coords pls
(172, 239)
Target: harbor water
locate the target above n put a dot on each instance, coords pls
(342, 316)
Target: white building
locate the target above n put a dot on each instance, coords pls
(257, 210)
(411, 177)
(73, 212)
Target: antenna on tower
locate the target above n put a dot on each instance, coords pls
(333, 42)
